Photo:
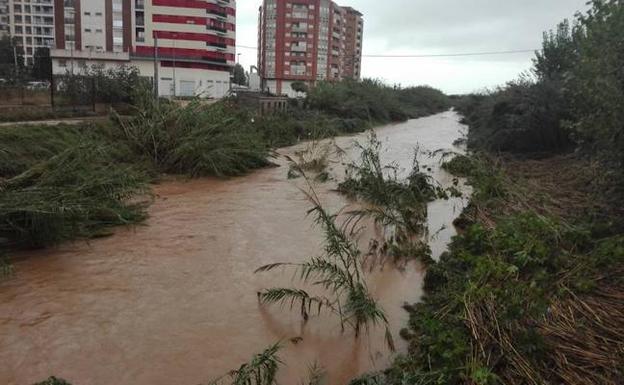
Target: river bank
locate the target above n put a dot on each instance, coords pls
(175, 300)
(531, 292)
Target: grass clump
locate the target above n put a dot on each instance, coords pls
(261, 370)
(21, 147)
(76, 193)
(315, 158)
(400, 206)
(53, 381)
(196, 140)
(6, 269)
(460, 165)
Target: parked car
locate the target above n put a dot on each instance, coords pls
(33, 86)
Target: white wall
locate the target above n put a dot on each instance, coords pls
(286, 88)
(205, 83)
(94, 21)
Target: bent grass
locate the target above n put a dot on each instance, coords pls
(338, 272)
(260, 370)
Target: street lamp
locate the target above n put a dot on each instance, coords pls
(72, 13)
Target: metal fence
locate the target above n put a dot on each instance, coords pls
(60, 93)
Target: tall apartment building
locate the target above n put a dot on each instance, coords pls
(307, 40)
(4, 18)
(30, 23)
(190, 43)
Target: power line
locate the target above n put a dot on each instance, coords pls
(486, 53)
(457, 54)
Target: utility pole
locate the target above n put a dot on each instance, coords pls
(174, 65)
(15, 59)
(73, 42)
(155, 66)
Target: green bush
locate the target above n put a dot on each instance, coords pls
(524, 116)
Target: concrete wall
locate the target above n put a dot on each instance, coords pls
(188, 81)
(286, 88)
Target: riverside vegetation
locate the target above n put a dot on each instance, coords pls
(197, 140)
(531, 291)
(62, 182)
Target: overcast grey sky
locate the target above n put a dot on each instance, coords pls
(440, 27)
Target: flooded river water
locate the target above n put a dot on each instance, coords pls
(174, 301)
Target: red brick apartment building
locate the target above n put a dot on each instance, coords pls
(307, 40)
(192, 41)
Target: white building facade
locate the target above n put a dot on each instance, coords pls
(189, 43)
(30, 23)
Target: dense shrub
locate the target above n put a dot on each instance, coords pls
(371, 100)
(596, 83)
(524, 116)
(99, 84)
(196, 140)
(574, 97)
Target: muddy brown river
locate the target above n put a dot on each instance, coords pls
(174, 301)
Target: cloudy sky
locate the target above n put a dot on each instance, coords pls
(424, 27)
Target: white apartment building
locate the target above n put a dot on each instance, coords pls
(192, 42)
(30, 23)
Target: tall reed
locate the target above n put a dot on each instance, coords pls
(338, 271)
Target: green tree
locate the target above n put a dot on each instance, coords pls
(8, 50)
(42, 64)
(559, 52)
(596, 83)
(240, 77)
(299, 86)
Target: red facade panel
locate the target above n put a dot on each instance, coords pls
(201, 66)
(185, 53)
(193, 36)
(177, 19)
(59, 25)
(127, 25)
(108, 20)
(77, 26)
(195, 4)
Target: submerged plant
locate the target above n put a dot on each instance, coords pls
(261, 370)
(316, 375)
(339, 272)
(6, 269)
(53, 381)
(398, 206)
(315, 158)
